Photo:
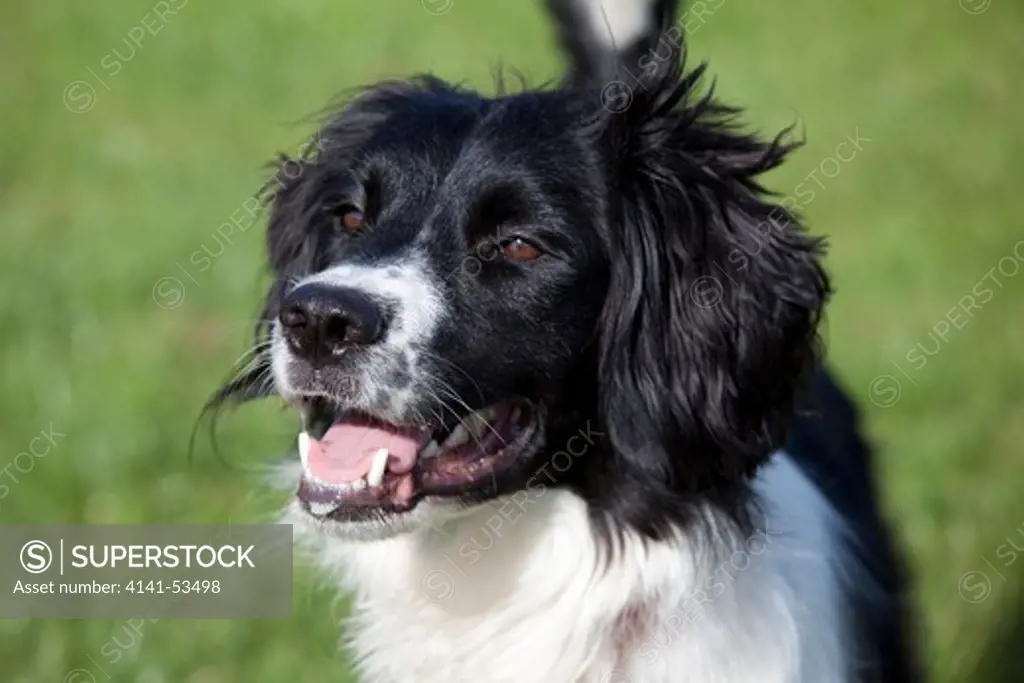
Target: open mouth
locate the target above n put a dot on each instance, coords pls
(362, 465)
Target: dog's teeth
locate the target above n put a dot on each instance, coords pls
(321, 509)
(376, 475)
(380, 463)
(472, 427)
(357, 485)
(459, 436)
(304, 449)
(430, 450)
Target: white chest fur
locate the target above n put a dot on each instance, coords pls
(522, 591)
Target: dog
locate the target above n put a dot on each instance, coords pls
(556, 358)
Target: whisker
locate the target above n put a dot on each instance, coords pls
(451, 392)
(456, 367)
(454, 394)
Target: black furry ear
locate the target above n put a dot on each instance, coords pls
(715, 295)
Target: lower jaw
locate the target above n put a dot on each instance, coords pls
(369, 505)
(351, 511)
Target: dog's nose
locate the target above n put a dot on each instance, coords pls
(319, 321)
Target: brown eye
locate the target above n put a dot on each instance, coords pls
(349, 220)
(518, 249)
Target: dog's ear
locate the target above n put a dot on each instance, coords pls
(715, 292)
(602, 37)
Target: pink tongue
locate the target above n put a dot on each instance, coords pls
(345, 453)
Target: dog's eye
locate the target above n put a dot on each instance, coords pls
(349, 219)
(519, 249)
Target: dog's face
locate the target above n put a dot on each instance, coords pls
(463, 284)
(440, 280)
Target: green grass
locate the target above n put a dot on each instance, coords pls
(96, 207)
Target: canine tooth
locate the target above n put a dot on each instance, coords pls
(321, 509)
(380, 463)
(431, 449)
(357, 485)
(459, 436)
(304, 448)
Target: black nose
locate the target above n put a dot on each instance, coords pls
(320, 322)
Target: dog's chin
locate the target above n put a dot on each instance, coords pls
(442, 472)
(428, 514)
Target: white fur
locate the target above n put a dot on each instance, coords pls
(617, 23)
(522, 591)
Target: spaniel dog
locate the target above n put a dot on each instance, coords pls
(555, 357)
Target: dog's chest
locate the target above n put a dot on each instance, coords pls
(519, 602)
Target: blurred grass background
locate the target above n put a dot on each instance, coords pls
(109, 182)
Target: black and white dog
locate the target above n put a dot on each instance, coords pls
(555, 358)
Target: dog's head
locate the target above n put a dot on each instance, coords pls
(471, 290)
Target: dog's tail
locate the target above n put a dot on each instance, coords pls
(603, 37)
